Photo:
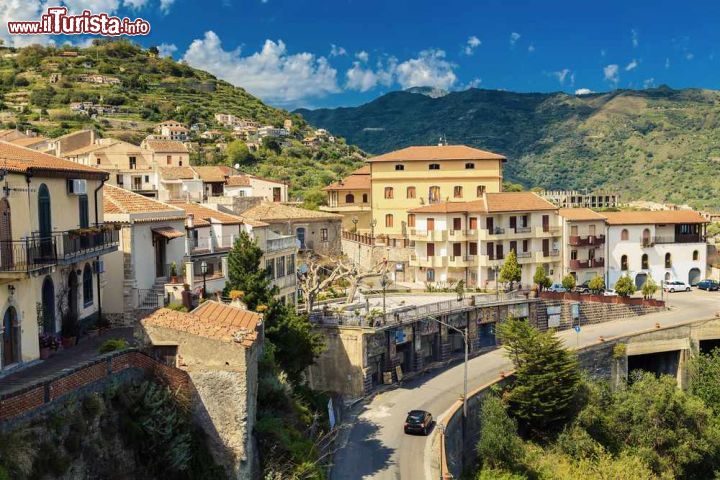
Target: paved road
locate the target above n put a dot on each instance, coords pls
(378, 449)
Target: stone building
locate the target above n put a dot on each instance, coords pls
(218, 345)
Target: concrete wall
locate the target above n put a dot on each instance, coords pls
(340, 367)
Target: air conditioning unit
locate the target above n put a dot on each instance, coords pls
(99, 266)
(77, 187)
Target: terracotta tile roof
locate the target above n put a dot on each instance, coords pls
(118, 200)
(437, 152)
(170, 146)
(28, 141)
(212, 320)
(202, 216)
(176, 173)
(354, 181)
(168, 232)
(657, 217)
(238, 181)
(211, 173)
(580, 214)
(22, 159)
(364, 170)
(492, 203)
(272, 212)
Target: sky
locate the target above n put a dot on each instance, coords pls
(312, 53)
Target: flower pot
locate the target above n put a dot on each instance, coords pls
(45, 353)
(173, 279)
(68, 342)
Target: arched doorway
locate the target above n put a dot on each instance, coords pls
(300, 234)
(694, 276)
(667, 276)
(48, 306)
(640, 279)
(11, 337)
(73, 296)
(45, 221)
(6, 248)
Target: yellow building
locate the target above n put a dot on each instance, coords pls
(417, 176)
(351, 197)
(52, 240)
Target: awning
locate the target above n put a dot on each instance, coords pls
(168, 232)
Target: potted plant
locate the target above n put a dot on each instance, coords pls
(69, 330)
(48, 344)
(173, 273)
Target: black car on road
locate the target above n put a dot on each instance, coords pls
(418, 421)
(709, 285)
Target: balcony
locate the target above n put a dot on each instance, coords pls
(428, 262)
(545, 231)
(21, 257)
(281, 243)
(83, 243)
(678, 238)
(589, 240)
(589, 263)
(285, 281)
(548, 255)
(462, 235)
(462, 261)
(428, 235)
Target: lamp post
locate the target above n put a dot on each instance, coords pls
(372, 227)
(355, 222)
(203, 270)
(384, 284)
(466, 339)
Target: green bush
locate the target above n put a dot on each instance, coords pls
(625, 286)
(568, 282)
(113, 345)
(499, 446)
(178, 307)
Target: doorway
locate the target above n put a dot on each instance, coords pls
(48, 305)
(160, 248)
(694, 276)
(11, 337)
(300, 234)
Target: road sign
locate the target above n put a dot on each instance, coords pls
(577, 328)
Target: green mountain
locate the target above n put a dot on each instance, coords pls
(39, 85)
(657, 144)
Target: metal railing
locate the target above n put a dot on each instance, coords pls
(72, 243)
(27, 255)
(151, 300)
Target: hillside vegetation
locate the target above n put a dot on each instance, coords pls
(39, 84)
(657, 144)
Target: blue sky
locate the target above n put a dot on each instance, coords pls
(318, 53)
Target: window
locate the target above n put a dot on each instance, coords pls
(624, 263)
(469, 166)
(180, 163)
(573, 255)
(119, 180)
(434, 166)
(399, 167)
(411, 220)
(430, 249)
(87, 285)
(480, 190)
(270, 268)
(147, 178)
(457, 249)
(389, 220)
(84, 211)
(574, 231)
(473, 223)
(525, 245)
(97, 160)
(430, 275)
(169, 159)
(365, 198)
(133, 163)
(349, 198)
(472, 248)
(696, 255)
(280, 266)
(457, 191)
(324, 234)
(644, 263)
(290, 264)
(389, 192)
(668, 260)
(457, 223)
(434, 194)
(410, 192)
(624, 235)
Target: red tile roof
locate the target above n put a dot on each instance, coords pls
(437, 152)
(21, 160)
(203, 215)
(657, 217)
(580, 214)
(492, 203)
(118, 201)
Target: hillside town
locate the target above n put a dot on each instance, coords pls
(171, 309)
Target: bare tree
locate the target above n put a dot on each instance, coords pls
(316, 278)
(356, 277)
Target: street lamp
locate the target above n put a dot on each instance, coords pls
(203, 270)
(466, 339)
(372, 227)
(355, 222)
(384, 284)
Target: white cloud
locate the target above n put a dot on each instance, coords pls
(472, 43)
(667, 62)
(514, 37)
(362, 55)
(635, 38)
(430, 69)
(135, 4)
(562, 75)
(583, 91)
(631, 66)
(77, 6)
(531, 48)
(167, 49)
(689, 56)
(474, 83)
(649, 83)
(364, 78)
(165, 6)
(610, 73)
(336, 51)
(272, 73)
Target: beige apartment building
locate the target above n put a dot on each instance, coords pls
(351, 197)
(469, 240)
(583, 233)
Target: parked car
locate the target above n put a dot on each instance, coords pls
(557, 288)
(583, 288)
(709, 285)
(418, 421)
(676, 286)
(610, 293)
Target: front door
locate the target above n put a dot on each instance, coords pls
(73, 296)
(11, 337)
(546, 247)
(513, 223)
(45, 222)
(6, 247)
(546, 223)
(300, 233)
(160, 257)
(48, 305)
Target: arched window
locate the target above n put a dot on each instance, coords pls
(469, 166)
(696, 255)
(434, 194)
(349, 198)
(389, 192)
(411, 220)
(624, 235)
(365, 197)
(87, 283)
(11, 337)
(624, 263)
(480, 190)
(48, 305)
(434, 166)
(399, 167)
(644, 263)
(668, 260)
(389, 220)
(410, 192)
(457, 191)
(646, 237)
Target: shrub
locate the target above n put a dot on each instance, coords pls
(597, 284)
(568, 282)
(178, 307)
(91, 406)
(625, 286)
(499, 445)
(113, 345)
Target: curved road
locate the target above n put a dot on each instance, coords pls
(376, 446)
